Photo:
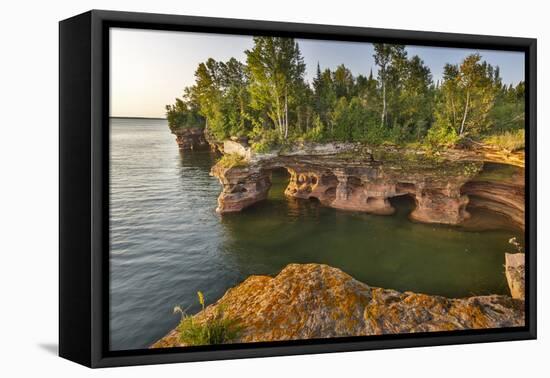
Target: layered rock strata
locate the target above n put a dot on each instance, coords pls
(504, 193)
(191, 139)
(358, 182)
(312, 301)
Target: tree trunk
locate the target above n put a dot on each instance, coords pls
(286, 114)
(278, 113)
(383, 118)
(465, 112)
(454, 111)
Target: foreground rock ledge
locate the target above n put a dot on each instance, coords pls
(306, 301)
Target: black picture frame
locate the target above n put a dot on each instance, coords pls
(84, 191)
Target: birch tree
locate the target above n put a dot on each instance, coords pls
(392, 63)
(467, 97)
(276, 70)
(382, 56)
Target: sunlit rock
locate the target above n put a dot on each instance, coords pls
(312, 301)
(515, 274)
(241, 187)
(353, 180)
(499, 189)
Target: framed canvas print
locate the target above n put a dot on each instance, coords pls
(234, 188)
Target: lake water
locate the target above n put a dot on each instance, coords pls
(167, 242)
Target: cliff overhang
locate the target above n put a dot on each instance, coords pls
(354, 177)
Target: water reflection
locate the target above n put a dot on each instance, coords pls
(386, 251)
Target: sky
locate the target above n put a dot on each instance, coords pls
(149, 69)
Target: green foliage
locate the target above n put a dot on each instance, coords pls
(317, 133)
(265, 140)
(350, 119)
(277, 69)
(220, 91)
(268, 100)
(467, 97)
(442, 135)
(232, 160)
(182, 115)
(218, 329)
(508, 113)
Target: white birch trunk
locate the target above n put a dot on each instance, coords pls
(286, 114)
(383, 118)
(279, 116)
(465, 112)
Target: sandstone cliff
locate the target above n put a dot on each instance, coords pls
(191, 139)
(306, 301)
(354, 177)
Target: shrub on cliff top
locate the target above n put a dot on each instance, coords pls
(232, 160)
(219, 329)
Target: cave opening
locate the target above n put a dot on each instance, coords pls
(280, 178)
(403, 204)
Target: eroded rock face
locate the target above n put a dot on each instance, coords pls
(515, 274)
(360, 183)
(241, 187)
(440, 206)
(309, 183)
(504, 194)
(306, 301)
(191, 139)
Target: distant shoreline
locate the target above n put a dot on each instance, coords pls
(155, 118)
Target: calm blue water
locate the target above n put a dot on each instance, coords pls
(167, 242)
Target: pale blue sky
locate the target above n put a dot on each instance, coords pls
(149, 69)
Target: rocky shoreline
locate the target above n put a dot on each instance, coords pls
(312, 301)
(191, 139)
(357, 178)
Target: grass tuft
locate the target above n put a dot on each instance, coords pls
(219, 329)
(510, 140)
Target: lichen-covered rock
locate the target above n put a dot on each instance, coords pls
(515, 274)
(306, 301)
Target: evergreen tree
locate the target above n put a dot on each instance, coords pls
(415, 99)
(182, 115)
(343, 81)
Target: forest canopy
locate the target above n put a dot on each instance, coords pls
(268, 100)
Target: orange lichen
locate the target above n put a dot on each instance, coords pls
(307, 301)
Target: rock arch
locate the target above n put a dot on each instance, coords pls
(360, 187)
